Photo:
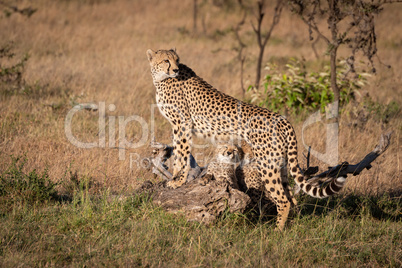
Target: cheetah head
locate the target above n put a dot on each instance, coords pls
(227, 153)
(164, 64)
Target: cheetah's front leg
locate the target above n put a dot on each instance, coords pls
(182, 141)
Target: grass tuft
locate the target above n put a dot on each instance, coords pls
(19, 187)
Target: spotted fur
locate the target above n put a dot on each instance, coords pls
(192, 106)
(223, 165)
(250, 180)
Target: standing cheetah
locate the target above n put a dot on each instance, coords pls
(223, 165)
(192, 106)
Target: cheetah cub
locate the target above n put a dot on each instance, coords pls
(222, 167)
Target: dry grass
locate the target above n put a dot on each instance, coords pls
(96, 53)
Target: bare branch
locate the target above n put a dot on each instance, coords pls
(275, 20)
(195, 13)
(359, 34)
(25, 11)
(309, 170)
(161, 153)
(391, 1)
(237, 29)
(240, 55)
(345, 168)
(258, 31)
(312, 25)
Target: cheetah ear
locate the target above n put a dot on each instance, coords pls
(173, 49)
(150, 54)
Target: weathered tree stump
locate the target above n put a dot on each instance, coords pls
(202, 203)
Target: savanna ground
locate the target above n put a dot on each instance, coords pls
(94, 52)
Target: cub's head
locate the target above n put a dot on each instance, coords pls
(227, 153)
(164, 64)
(246, 152)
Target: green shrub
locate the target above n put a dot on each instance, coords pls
(382, 112)
(12, 83)
(296, 90)
(28, 188)
(10, 71)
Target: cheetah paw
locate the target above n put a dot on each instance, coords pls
(172, 184)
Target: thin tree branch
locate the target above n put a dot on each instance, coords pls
(275, 20)
(257, 29)
(240, 55)
(345, 168)
(25, 11)
(315, 28)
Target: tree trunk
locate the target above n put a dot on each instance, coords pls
(259, 64)
(195, 13)
(334, 84)
(332, 23)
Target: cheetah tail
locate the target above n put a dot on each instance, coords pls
(313, 189)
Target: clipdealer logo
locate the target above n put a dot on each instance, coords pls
(119, 124)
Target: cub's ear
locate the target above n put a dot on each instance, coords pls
(173, 49)
(150, 54)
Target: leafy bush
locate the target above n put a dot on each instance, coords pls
(297, 90)
(10, 74)
(12, 82)
(28, 188)
(382, 112)
(9, 9)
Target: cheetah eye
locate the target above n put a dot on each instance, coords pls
(166, 61)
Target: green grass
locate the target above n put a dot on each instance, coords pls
(17, 187)
(104, 230)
